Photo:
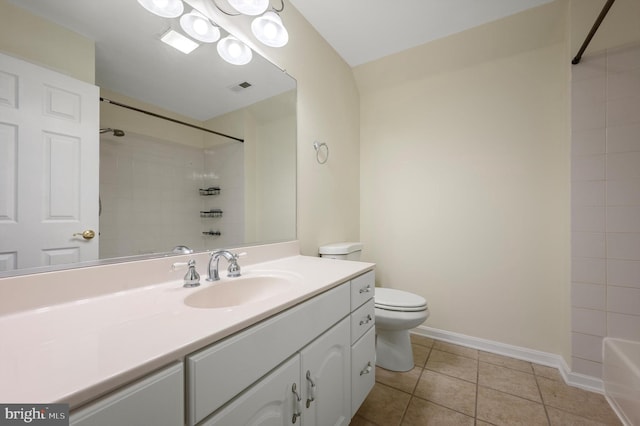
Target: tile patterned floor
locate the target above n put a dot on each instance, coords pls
(454, 385)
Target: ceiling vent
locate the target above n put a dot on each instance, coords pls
(240, 86)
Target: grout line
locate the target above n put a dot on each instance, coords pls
(546, 412)
(475, 414)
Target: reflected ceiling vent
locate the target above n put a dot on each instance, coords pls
(240, 86)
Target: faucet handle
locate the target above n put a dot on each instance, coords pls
(192, 278)
(233, 270)
(238, 255)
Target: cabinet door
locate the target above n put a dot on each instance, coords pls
(155, 400)
(272, 401)
(325, 377)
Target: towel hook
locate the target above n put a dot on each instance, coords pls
(318, 147)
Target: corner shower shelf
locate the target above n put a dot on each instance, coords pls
(212, 190)
(211, 213)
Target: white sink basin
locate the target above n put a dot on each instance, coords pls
(240, 291)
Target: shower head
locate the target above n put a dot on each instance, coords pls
(116, 132)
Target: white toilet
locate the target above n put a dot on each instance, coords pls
(396, 312)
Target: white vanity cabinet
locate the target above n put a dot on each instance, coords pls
(217, 374)
(295, 368)
(313, 387)
(157, 399)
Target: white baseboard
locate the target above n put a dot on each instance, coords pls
(589, 383)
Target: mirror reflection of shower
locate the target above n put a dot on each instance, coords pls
(116, 132)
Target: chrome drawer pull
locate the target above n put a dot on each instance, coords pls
(312, 389)
(297, 411)
(366, 289)
(367, 369)
(366, 320)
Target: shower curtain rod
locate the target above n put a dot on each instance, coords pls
(595, 27)
(173, 120)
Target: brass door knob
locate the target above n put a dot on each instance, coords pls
(87, 235)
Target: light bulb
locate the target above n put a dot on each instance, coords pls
(234, 51)
(270, 30)
(200, 26)
(164, 8)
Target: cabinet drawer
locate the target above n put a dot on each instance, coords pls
(362, 289)
(157, 399)
(362, 319)
(363, 369)
(221, 371)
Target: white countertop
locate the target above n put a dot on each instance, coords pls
(77, 351)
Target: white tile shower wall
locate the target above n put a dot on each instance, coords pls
(225, 169)
(605, 291)
(149, 193)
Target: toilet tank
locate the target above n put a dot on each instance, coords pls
(343, 251)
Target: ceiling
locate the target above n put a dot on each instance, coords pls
(365, 30)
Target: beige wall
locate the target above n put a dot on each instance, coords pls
(136, 122)
(328, 111)
(45, 44)
(620, 27)
(465, 171)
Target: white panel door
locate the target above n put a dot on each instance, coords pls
(49, 159)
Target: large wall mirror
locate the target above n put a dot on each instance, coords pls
(192, 151)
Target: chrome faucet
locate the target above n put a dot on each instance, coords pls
(233, 269)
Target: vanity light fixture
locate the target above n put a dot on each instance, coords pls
(250, 7)
(178, 41)
(199, 27)
(234, 51)
(269, 29)
(164, 8)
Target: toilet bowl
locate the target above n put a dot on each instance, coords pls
(397, 312)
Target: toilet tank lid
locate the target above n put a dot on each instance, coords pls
(340, 248)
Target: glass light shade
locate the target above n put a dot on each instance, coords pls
(178, 41)
(269, 29)
(234, 51)
(250, 7)
(199, 27)
(164, 8)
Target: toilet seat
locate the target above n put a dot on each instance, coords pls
(391, 299)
